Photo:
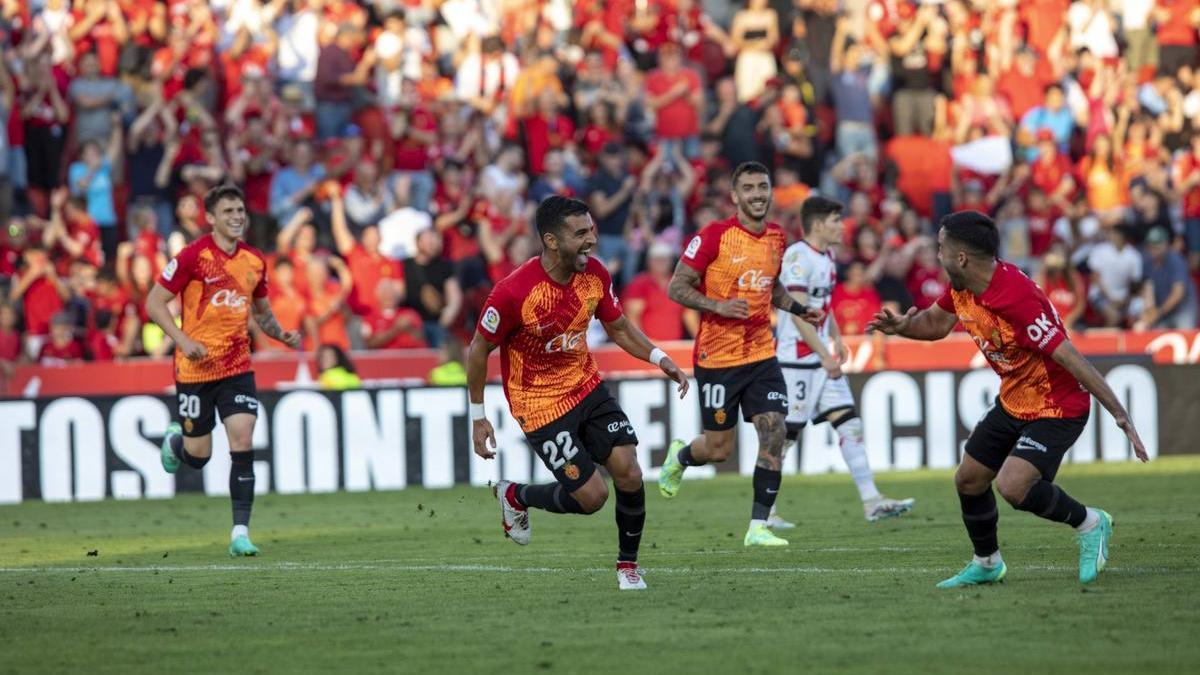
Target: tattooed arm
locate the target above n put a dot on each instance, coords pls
(685, 290)
(270, 325)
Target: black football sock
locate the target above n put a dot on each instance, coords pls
(175, 441)
(766, 488)
(686, 458)
(631, 517)
(241, 485)
(980, 516)
(547, 497)
(191, 460)
(1049, 501)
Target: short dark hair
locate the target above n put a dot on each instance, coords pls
(340, 355)
(224, 191)
(554, 211)
(749, 167)
(974, 230)
(815, 209)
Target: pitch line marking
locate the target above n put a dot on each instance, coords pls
(506, 569)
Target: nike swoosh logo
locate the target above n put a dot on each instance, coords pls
(737, 260)
(634, 534)
(245, 479)
(772, 492)
(212, 280)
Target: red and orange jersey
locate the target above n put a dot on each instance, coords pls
(541, 327)
(216, 290)
(736, 263)
(1017, 329)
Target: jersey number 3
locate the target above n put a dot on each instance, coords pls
(561, 452)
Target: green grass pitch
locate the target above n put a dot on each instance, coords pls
(423, 582)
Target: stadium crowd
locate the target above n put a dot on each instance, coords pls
(392, 151)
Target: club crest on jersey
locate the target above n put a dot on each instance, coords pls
(719, 416)
(693, 247)
(755, 280)
(571, 471)
(490, 320)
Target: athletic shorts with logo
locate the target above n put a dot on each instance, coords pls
(572, 445)
(755, 388)
(200, 402)
(812, 395)
(1042, 442)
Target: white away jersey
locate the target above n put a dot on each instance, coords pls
(805, 270)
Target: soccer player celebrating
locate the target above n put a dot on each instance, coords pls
(812, 372)
(221, 282)
(538, 317)
(1043, 403)
(730, 272)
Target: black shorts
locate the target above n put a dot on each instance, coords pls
(755, 388)
(595, 425)
(1041, 442)
(199, 401)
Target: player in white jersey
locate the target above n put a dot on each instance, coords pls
(817, 389)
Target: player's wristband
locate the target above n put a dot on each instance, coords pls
(477, 412)
(797, 309)
(656, 356)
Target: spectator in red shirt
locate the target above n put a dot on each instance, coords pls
(290, 307)
(390, 326)
(414, 130)
(100, 27)
(1177, 21)
(62, 347)
(926, 280)
(71, 233)
(368, 267)
(855, 301)
(547, 128)
(646, 302)
(1051, 172)
(1021, 85)
(11, 352)
(676, 96)
(46, 113)
(1187, 182)
(1063, 286)
(327, 299)
(146, 21)
(253, 159)
(1041, 215)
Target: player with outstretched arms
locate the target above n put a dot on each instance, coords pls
(221, 282)
(730, 272)
(1043, 404)
(818, 391)
(538, 316)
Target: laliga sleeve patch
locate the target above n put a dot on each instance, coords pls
(168, 272)
(491, 320)
(693, 247)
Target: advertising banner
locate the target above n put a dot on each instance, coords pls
(396, 368)
(306, 441)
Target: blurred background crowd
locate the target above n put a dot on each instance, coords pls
(392, 151)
